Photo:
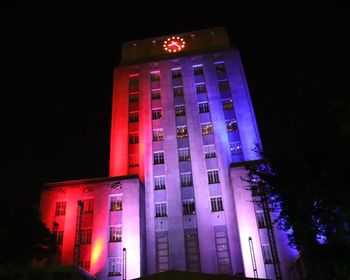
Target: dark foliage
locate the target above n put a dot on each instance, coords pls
(305, 176)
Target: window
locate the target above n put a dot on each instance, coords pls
(133, 160)
(116, 203)
(157, 134)
(181, 132)
(198, 70)
(156, 114)
(60, 208)
(186, 179)
(88, 206)
(224, 85)
(158, 158)
(216, 204)
(231, 126)
(201, 88)
(180, 110)
(133, 138)
(155, 76)
(227, 104)
(176, 73)
(203, 107)
(220, 67)
(133, 98)
(161, 210)
(178, 91)
(266, 250)
(133, 84)
(155, 94)
(209, 151)
(222, 251)
(159, 182)
(207, 129)
(58, 234)
(115, 234)
(86, 236)
(235, 148)
(188, 206)
(192, 252)
(260, 219)
(162, 247)
(115, 266)
(213, 176)
(184, 154)
(85, 264)
(133, 117)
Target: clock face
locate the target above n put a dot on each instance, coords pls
(174, 44)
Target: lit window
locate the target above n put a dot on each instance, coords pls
(220, 67)
(213, 176)
(60, 208)
(207, 129)
(235, 148)
(260, 219)
(158, 158)
(85, 264)
(188, 207)
(157, 134)
(116, 203)
(216, 204)
(86, 236)
(155, 76)
(133, 138)
(156, 114)
(266, 250)
(176, 73)
(231, 126)
(227, 104)
(133, 98)
(133, 117)
(209, 151)
(155, 94)
(115, 266)
(184, 154)
(115, 234)
(161, 209)
(201, 88)
(181, 132)
(203, 107)
(159, 182)
(178, 91)
(180, 110)
(88, 207)
(198, 70)
(186, 179)
(224, 85)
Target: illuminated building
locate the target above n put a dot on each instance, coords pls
(182, 120)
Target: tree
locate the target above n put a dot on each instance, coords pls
(23, 237)
(305, 174)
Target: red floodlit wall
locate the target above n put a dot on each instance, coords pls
(119, 130)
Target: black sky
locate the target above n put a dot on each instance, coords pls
(58, 62)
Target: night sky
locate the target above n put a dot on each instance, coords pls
(57, 66)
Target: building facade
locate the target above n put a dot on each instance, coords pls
(183, 121)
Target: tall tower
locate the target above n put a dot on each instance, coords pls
(183, 120)
(183, 129)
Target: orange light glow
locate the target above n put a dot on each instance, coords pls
(96, 251)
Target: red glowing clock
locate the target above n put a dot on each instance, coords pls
(174, 44)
